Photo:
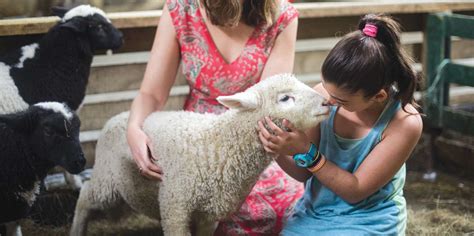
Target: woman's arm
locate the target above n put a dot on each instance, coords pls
(282, 56)
(376, 170)
(159, 77)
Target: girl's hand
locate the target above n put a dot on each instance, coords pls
(139, 145)
(281, 142)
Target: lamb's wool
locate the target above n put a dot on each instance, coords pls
(56, 107)
(10, 99)
(27, 52)
(210, 162)
(83, 11)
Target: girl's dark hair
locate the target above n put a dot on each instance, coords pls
(230, 12)
(369, 64)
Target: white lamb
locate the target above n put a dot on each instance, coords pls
(210, 162)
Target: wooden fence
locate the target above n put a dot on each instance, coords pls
(114, 79)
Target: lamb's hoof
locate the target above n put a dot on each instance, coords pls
(73, 181)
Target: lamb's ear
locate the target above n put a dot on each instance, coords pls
(59, 11)
(21, 122)
(244, 100)
(76, 25)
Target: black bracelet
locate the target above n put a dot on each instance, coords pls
(316, 160)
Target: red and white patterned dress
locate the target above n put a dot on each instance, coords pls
(210, 76)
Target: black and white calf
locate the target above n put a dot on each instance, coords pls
(32, 142)
(57, 67)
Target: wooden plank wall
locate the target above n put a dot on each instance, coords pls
(114, 79)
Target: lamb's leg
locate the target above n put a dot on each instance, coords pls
(175, 218)
(95, 196)
(205, 227)
(73, 181)
(84, 206)
(13, 229)
(176, 226)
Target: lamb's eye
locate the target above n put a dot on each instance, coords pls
(48, 131)
(99, 27)
(285, 98)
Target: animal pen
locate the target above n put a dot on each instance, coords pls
(428, 30)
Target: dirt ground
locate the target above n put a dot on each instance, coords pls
(443, 207)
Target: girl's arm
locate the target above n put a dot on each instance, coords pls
(286, 162)
(159, 77)
(382, 163)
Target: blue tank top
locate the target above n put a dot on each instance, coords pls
(321, 212)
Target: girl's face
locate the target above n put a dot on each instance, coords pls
(352, 102)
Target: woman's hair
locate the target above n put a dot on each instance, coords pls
(372, 61)
(230, 12)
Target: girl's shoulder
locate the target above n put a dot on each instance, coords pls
(405, 122)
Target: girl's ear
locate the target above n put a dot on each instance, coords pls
(381, 96)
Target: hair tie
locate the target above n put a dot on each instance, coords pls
(370, 30)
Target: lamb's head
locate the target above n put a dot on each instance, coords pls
(281, 96)
(93, 22)
(52, 132)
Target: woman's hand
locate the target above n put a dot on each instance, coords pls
(139, 144)
(281, 142)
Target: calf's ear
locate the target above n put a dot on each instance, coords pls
(243, 101)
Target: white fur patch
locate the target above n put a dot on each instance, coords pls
(4, 71)
(28, 52)
(30, 195)
(84, 11)
(57, 107)
(10, 98)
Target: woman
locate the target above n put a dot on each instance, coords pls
(224, 46)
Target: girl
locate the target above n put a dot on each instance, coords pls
(353, 163)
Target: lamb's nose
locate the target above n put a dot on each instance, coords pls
(81, 161)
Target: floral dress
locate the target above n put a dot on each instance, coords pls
(210, 76)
